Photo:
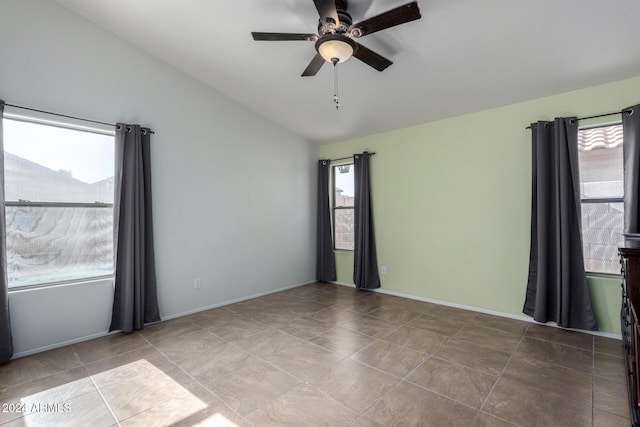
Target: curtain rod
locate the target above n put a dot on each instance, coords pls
(64, 115)
(628, 111)
(346, 158)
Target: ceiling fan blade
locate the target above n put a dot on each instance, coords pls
(327, 9)
(314, 66)
(274, 37)
(400, 15)
(371, 58)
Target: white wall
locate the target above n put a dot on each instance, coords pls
(233, 192)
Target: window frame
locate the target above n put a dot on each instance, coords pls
(599, 200)
(334, 207)
(40, 118)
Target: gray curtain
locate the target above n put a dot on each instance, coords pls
(135, 299)
(557, 284)
(325, 260)
(631, 148)
(365, 268)
(6, 345)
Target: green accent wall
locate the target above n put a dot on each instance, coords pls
(451, 202)
(606, 293)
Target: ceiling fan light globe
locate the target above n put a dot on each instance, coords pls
(335, 47)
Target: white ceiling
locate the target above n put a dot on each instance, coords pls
(462, 56)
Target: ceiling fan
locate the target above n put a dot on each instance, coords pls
(337, 34)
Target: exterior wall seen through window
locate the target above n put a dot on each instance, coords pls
(601, 192)
(343, 207)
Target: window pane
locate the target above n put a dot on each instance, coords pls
(343, 212)
(344, 236)
(56, 244)
(46, 163)
(601, 177)
(343, 176)
(51, 164)
(600, 157)
(602, 225)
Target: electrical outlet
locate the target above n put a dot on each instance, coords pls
(197, 283)
(383, 269)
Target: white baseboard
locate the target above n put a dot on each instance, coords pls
(382, 291)
(234, 301)
(61, 344)
(164, 318)
(485, 311)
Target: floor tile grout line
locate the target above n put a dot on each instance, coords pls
(308, 341)
(308, 383)
(23, 383)
(297, 386)
(378, 369)
(560, 343)
(442, 395)
(104, 400)
(503, 370)
(609, 355)
(262, 359)
(372, 336)
(24, 415)
(328, 324)
(453, 362)
(50, 374)
(82, 365)
(192, 377)
(435, 356)
(563, 366)
(157, 404)
(404, 379)
(257, 357)
(429, 356)
(423, 353)
(301, 381)
(375, 339)
(412, 348)
(326, 334)
(480, 345)
(368, 408)
(111, 356)
(492, 329)
(500, 418)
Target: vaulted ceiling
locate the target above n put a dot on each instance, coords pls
(462, 56)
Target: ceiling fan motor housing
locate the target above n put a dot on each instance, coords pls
(341, 27)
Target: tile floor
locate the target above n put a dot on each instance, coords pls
(324, 355)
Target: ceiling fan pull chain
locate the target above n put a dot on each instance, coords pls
(335, 83)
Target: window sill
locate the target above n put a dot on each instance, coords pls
(86, 280)
(604, 275)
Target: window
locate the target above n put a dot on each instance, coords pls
(601, 191)
(343, 206)
(58, 203)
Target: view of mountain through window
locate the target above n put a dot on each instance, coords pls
(59, 203)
